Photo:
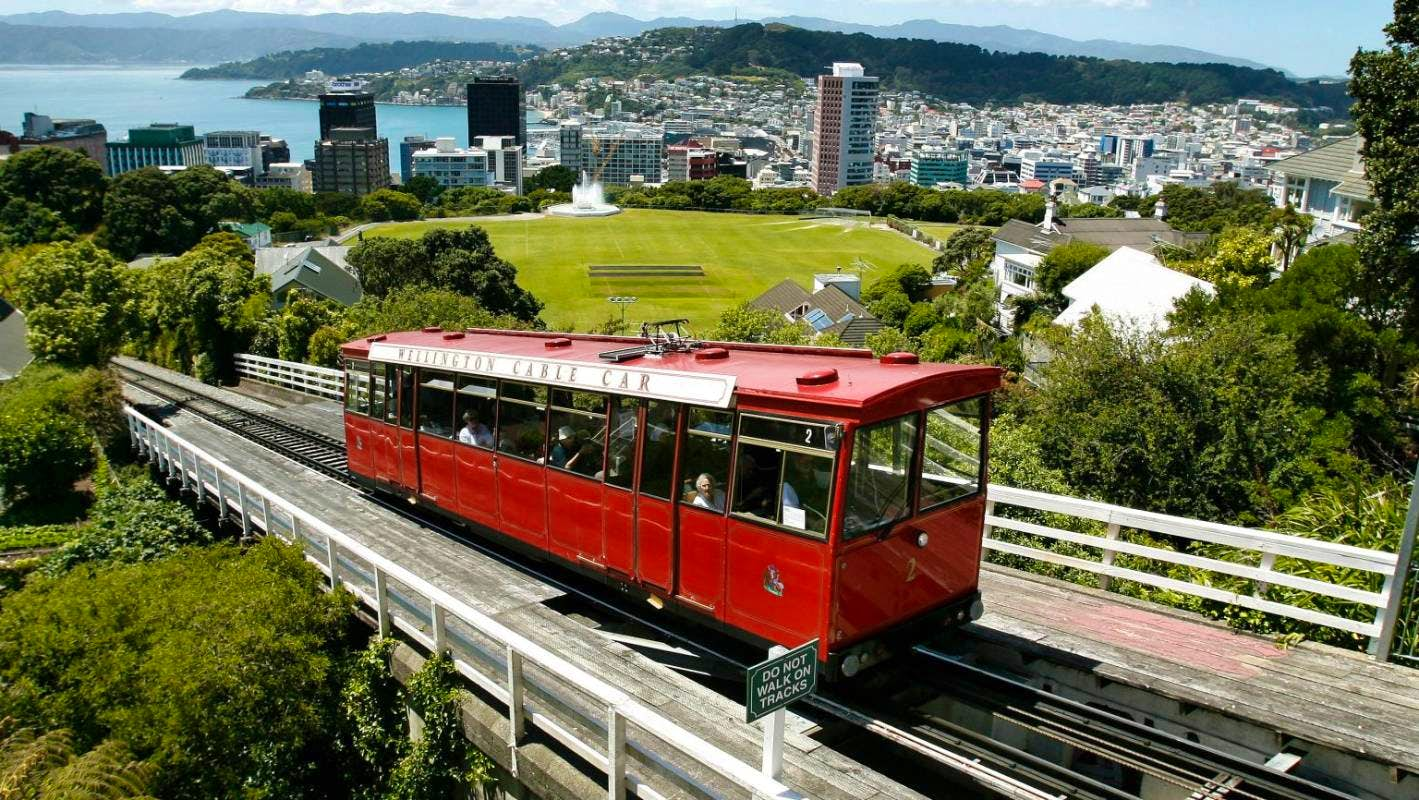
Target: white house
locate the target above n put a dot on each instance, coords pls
(1129, 287)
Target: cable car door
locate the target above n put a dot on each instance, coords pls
(655, 510)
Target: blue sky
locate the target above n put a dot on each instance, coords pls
(1309, 37)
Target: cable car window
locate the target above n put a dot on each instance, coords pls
(377, 390)
(357, 387)
(391, 394)
(803, 433)
(658, 449)
(951, 458)
(879, 480)
(578, 432)
(436, 403)
(705, 478)
(474, 411)
(406, 397)
(522, 423)
(621, 442)
(782, 486)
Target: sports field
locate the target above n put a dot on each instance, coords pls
(741, 256)
(940, 230)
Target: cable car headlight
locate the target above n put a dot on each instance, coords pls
(922, 539)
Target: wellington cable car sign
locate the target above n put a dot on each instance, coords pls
(781, 680)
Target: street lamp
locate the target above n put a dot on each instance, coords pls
(622, 301)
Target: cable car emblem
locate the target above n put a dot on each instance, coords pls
(773, 584)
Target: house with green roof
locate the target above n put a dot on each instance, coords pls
(1329, 184)
(256, 234)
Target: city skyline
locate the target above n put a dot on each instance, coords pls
(1292, 40)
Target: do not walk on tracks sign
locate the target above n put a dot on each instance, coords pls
(770, 685)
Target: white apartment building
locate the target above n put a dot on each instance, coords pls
(286, 175)
(452, 166)
(234, 149)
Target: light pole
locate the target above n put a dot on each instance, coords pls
(622, 301)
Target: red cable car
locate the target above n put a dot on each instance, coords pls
(783, 493)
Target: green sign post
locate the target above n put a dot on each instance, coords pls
(786, 676)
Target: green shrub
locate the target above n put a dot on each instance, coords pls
(28, 537)
(42, 452)
(216, 666)
(132, 520)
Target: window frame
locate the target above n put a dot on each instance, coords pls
(421, 379)
(492, 425)
(553, 408)
(832, 456)
(683, 448)
(356, 367)
(546, 411)
(914, 465)
(983, 422)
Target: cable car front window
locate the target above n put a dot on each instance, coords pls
(879, 481)
(952, 454)
(357, 387)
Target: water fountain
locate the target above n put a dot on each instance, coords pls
(588, 200)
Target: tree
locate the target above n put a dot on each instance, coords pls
(24, 222)
(1215, 424)
(963, 248)
(75, 303)
(1385, 85)
(423, 187)
(66, 182)
(556, 178)
(1063, 264)
(889, 340)
(745, 323)
(141, 215)
(388, 204)
(461, 260)
(228, 692)
(1242, 257)
(206, 196)
(301, 317)
(1289, 230)
(43, 766)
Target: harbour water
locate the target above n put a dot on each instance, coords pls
(129, 97)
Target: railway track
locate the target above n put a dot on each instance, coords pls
(308, 448)
(992, 765)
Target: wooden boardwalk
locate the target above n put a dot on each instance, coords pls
(520, 601)
(1338, 699)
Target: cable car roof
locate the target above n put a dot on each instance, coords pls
(712, 374)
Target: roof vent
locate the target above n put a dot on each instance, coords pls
(453, 335)
(711, 354)
(433, 329)
(381, 337)
(560, 341)
(901, 358)
(818, 377)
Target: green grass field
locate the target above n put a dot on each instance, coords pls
(742, 255)
(940, 230)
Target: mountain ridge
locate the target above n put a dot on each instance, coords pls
(530, 30)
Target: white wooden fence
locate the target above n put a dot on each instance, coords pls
(303, 378)
(486, 652)
(1262, 546)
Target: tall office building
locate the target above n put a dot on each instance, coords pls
(346, 110)
(156, 145)
(613, 154)
(495, 108)
(351, 160)
(844, 122)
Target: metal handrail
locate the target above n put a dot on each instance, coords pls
(254, 507)
(1268, 544)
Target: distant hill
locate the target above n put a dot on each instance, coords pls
(381, 57)
(34, 44)
(954, 72)
(371, 27)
